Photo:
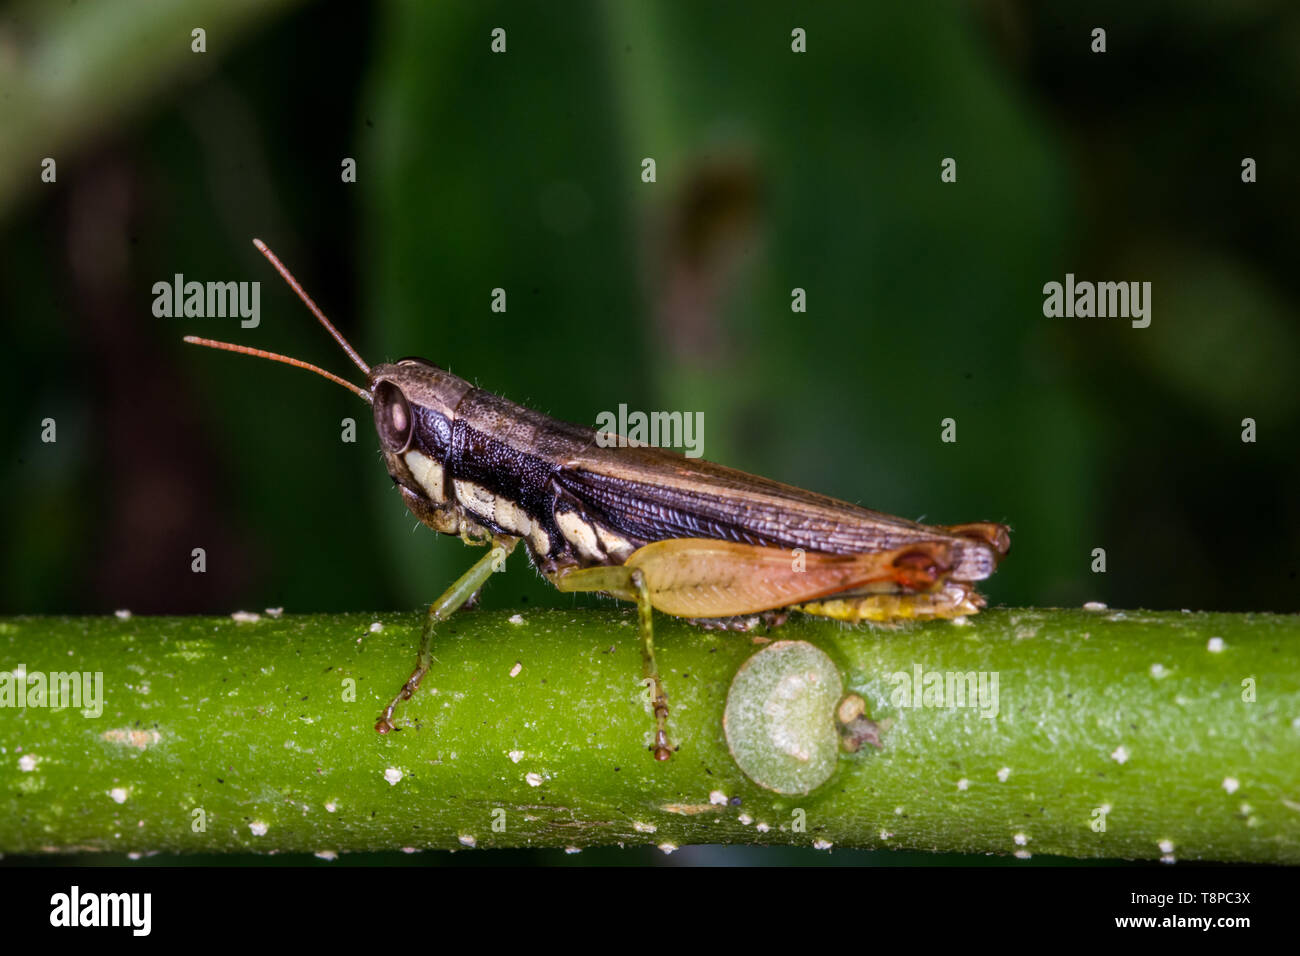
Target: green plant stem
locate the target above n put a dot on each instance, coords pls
(534, 733)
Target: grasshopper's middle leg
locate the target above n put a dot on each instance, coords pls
(465, 587)
(630, 585)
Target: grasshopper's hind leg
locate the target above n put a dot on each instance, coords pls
(710, 578)
(456, 596)
(630, 585)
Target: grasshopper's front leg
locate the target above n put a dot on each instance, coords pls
(630, 585)
(465, 587)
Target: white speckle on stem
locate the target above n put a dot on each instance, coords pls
(1020, 839)
(762, 828)
(570, 850)
(1158, 671)
(278, 612)
(1119, 754)
(1003, 774)
(393, 775)
(376, 627)
(822, 844)
(1166, 846)
(326, 855)
(118, 794)
(745, 819)
(258, 828)
(122, 614)
(534, 779)
(640, 827)
(27, 763)
(467, 840)
(514, 671)
(516, 755)
(331, 806)
(963, 783)
(1231, 784)
(667, 847)
(140, 739)
(1094, 606)
(1215, 645)
(717, 798)
(1023, 855)
(245, 617)
(516, 619)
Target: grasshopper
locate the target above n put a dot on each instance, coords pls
(682, 536)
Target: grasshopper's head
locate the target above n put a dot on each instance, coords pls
(414, 404)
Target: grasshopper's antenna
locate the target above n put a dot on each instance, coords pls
(276, 357)
(329, 327)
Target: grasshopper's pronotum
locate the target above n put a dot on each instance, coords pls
(682, 536)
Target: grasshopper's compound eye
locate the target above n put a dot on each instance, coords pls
(392, 418)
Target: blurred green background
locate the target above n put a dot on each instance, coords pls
(775, 170)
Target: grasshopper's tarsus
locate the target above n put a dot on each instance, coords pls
(385, 722)
(464, 590)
